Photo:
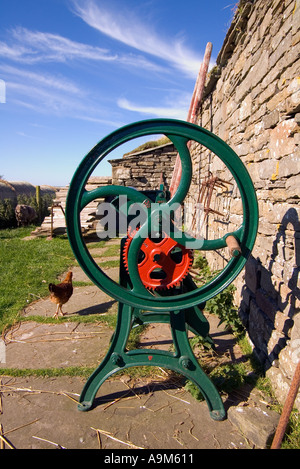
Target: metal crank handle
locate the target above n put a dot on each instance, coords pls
(233, 246)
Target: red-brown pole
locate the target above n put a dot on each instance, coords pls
(194, 106)
(287, 409)
(200, 83)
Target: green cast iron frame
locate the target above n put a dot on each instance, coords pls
(180, 308)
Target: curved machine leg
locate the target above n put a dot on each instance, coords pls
(113, 360)
(182, 361)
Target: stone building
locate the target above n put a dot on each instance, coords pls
(251, 101)
(142, 169)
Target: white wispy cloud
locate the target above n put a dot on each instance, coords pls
(14, 51)
(53, 93)
(31, 47)
(58, 102)
(124, 26)
(42, 99)
(168, 111)
(41, 91)
(44, 79)
(40, 46)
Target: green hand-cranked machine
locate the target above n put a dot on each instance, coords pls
(155, 286)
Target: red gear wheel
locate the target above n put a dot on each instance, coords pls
(162, 263)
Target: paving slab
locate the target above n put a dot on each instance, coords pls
(80, 276)
(35, 345)
(42, 413)
(84, 301)
(159, 336)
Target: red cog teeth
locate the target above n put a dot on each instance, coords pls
(169, 282)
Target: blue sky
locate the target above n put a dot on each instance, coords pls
(73, 71)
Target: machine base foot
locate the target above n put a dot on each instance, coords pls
(218, 415)
(85, 406)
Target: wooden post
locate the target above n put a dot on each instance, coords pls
(287, 409)
(192, 114)
(38, 201)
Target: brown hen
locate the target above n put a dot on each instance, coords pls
(61, 293)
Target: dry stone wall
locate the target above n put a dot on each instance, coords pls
(143, 169)
(252, 102)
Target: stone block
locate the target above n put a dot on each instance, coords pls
(286, 298)
(281, 141)
(281, 385)
(266, 23)
(283, 323)
(266, 283)
(253, 171)
(257, 424)
(293, 103)
(277, 269)
(242, 89)
(245, 108)
(266, 304)
(246, 297)
(276, 343)
(290, 274)
(282, 47)
(259, 69)
(267, 169)
(271, 120)
(296, 328)
(266, 209)
(122, 173)
(265, 93)
(260, 328)
(293, 187)
(252, 276)
(244, 314)
(289, 357)
(236, 206)
(278, 101)
(266, 228)
(289, 165)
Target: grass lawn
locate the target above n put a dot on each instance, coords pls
(26, 269)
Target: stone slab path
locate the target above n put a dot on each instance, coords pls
(153, 412)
